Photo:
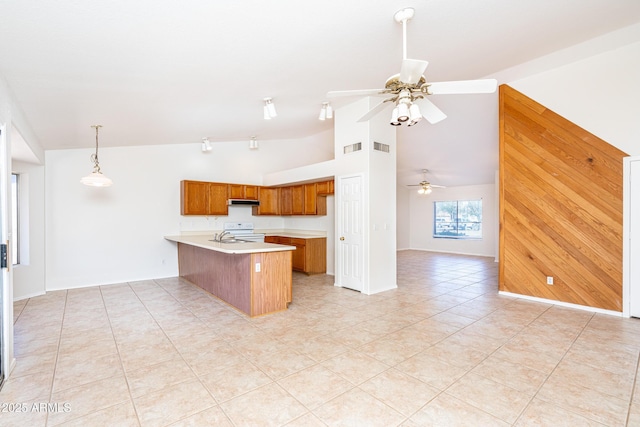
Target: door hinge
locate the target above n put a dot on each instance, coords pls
(3, 255)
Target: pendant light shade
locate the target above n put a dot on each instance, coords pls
(96, 178)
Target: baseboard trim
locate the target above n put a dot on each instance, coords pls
(564, 304)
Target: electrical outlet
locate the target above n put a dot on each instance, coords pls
(549, 280)
(257, 267)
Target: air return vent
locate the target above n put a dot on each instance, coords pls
(353, 147)
(381, 147)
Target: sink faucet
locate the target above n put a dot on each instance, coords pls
(221, 235)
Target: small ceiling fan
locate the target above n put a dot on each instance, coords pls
(425, 186)
(407, 90)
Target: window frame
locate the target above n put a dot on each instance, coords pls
(455, 225)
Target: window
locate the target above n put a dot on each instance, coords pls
(14, 220)
(457, 219)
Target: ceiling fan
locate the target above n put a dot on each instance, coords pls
(408, 89)
(425, 186)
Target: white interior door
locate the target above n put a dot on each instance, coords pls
(350, 232)
(634, 240)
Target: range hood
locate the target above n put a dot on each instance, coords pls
(243, 202)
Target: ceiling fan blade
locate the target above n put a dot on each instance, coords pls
(437, 186)
(463, 86)
(375, 110)
(357, 92)
(412, 70)
(429, 111)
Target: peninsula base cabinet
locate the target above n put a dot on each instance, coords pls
(310, 256)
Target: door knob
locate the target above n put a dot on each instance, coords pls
(342, 238)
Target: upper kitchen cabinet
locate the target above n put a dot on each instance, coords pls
(203, 198)
(311, 199)
(325, 188)
(286, 201)
(241, 191)
(269, 201)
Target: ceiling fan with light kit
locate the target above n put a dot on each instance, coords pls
(425, 186)
(408, 89)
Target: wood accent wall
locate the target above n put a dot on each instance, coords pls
(560, 207)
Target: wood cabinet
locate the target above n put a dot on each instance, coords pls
(269, 201)
(203, 198)
(241, 191)
(297, 200)
(310, 256)
(210, 198)
(310, 199)
(325, 188)
(286, 206)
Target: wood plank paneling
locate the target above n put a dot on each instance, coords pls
(560, 207)
(271, 286)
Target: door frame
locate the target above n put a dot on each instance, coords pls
(626, 233)
(6, 274)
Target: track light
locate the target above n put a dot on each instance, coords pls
(326, 112)
(253, 143)
(96, 178)
(269, 109)
(206, 145)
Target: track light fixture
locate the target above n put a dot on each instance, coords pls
(326, 111)
(269, 109)
(253, 143)
(206, 145)
(96, 178)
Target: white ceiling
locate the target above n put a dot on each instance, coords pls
(164, 72)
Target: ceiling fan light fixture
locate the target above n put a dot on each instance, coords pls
(96, 178)
(394, 118)
(403, 112)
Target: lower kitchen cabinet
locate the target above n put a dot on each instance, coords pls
(310, 256)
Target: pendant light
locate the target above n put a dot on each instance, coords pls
(96, 178)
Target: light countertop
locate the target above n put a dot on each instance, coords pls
(205, 241)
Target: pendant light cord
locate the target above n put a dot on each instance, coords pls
(94, 157)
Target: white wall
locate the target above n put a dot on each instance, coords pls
(598, 92)
(403, 218)
(421, 221)
(115, 234)
(29, 275)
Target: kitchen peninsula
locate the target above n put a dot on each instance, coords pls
(253, 277)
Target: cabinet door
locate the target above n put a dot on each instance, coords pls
(310, 199)
(194, 197)
(251, 192)
(298, 257)
(325, 188)
(218, 194)
(286, 207)
(269, 202)
(297, 200)
(236, 191)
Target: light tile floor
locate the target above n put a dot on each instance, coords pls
(443, 349)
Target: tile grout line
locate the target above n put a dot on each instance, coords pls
(633, 391)
(55, 366)
(115, 341)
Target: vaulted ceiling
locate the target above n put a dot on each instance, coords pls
(165, 72)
